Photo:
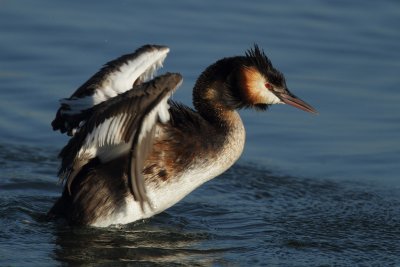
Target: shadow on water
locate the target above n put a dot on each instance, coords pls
(247, 216)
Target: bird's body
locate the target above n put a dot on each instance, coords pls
(135, 153)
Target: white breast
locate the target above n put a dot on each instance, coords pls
(169, 193)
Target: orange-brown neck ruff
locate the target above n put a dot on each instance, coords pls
(254, 90)
(252, 82)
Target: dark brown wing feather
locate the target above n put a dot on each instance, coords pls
(114, 78)
(133, 128)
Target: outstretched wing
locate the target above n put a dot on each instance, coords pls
(116, 77)
(124, 124)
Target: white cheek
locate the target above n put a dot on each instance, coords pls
(268, 97)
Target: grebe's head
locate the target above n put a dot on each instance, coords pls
(260, 84)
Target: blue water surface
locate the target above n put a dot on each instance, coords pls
(308, 191)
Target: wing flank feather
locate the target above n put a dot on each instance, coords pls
(107, 133)
(143, 147)
(121, 125)
(114, 78)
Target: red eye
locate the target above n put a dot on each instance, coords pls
(268, 86)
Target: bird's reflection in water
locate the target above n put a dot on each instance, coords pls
(151, 242)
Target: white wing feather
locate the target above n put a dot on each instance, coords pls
(143, 66)
(106, 141)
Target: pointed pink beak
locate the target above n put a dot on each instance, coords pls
(294, 101)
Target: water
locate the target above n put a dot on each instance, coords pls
(308, 190)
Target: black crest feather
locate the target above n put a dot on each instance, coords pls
(258, 58)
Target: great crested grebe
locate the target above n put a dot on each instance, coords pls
(134, 152)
